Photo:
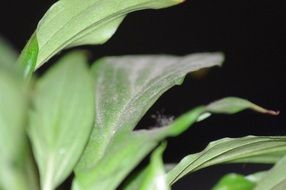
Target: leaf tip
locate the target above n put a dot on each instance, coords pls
(222, 58)
(265, 111)
(271, 112)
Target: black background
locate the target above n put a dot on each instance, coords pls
(252, 35)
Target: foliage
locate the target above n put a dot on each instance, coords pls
(81, 120)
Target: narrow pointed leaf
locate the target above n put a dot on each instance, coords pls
(61, 119)
(127, 148)
(126, 87)
(232, 105)
(238, 150)
(70, 23)
(155, 178)
(152, 177)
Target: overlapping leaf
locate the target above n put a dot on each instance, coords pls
(155, 178)
(151, 177)
(125, 151)
(61, 119)
(13, 142)
(238, 150)
(128, 148)
(274, 179)
(127, 86)
(75, 22)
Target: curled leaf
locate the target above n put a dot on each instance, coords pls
(70, 23)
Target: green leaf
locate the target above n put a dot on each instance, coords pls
(234, 182)
(13, 142)
(274, 179)
(71, 23)
(126, 87)
(232, 105)
(125, 151)
(61, 119)
(249, 149)
(8, 55)
(28, 57)
(153, 176)
(128, 148)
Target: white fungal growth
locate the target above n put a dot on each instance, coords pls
(162, 120)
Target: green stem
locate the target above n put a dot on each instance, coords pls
(47, 181)
(28, 57)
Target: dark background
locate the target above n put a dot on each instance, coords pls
(252, 35)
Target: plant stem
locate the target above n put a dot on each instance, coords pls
(28, 57)
(48, 179)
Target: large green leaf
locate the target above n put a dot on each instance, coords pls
(249, 149)
(8, 55)
(75, 22)
(126, 87)
(128, 148)
(274, 179)
(124, 153)
(61, 119)
(13, 142)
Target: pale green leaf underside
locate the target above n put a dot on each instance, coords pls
(61, 119)
(8, 55)
(274, 179)
(128, 148)
(126, 87)
(240, 150)
(71, 23)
